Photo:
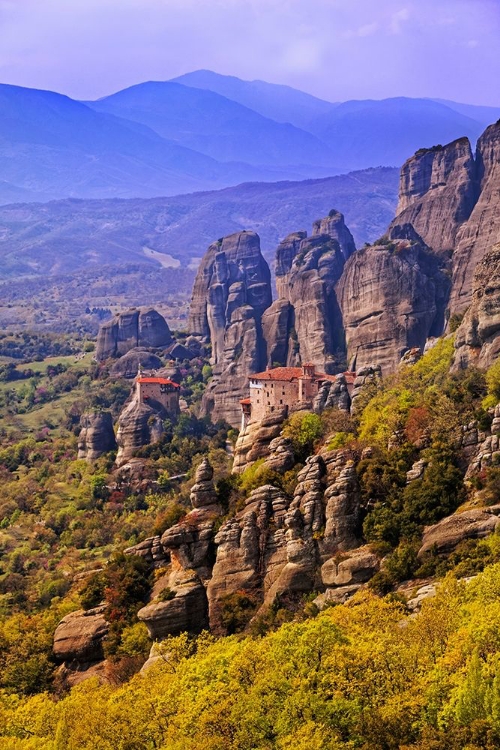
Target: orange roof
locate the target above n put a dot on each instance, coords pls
(288, 374)
(161, 381)
(246, 401)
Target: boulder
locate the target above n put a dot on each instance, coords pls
(349, 569)
(445, 535)
(186, 611)
(97, 435)
(79, 637)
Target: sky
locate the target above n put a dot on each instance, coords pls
(334, 49)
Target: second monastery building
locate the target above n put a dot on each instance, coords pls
(284, 388)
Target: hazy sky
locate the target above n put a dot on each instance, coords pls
(336, 49)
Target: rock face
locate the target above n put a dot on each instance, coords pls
(477, 341)
(231, 292)
(128, 365)
(78, 637)
(392, 298)
(444, 536)
(138, 425)
(132, 329)
(179, 601)
(304, 323)
(96, 436)
(437, 193)
(482, 229)
(255, 439)
(276, 546)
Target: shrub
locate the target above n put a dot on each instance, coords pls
(304, 429)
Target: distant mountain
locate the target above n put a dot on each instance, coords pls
(69, 236)
(216, 126)
(484, 115)
(369, 133)
(280, 103)
(54, 147)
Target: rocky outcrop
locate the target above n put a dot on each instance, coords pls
(482, 229)
(179, 602)
(437, 192)
(443, 537)
(255, 439)
(78, 639)
(97, 436)
(231, 292)
(368, 376)
(276, 546)
(132, 329)
(477, 340)
(353, 568)
(304, 323)
(333, 395)
(392, 297)
(481, 448)
(138, 425)
(128, 365)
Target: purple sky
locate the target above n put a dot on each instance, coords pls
(335, 49)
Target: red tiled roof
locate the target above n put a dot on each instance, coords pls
(246, 401)
(288, 374)
(161, 381)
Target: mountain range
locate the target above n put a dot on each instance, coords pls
(67, 236)
(205, 131)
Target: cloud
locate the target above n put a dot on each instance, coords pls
(398, 19)
(368, 29)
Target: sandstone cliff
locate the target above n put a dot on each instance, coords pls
(131, 329)
(304, 323)
(231, 292)
(96, 436)
(482, 230)
(437, 192)
(477, 340)
(392, 297)
(138, 425)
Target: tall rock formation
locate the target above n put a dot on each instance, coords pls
(231, 292)
(96, 436)
(477, 341)
(132, 329)
(304, 324)
(392, 297)
(482, 230)
(452, 200)
(437, 192)
(138, 425)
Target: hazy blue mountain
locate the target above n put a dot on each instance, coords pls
(370, 133)
(214, 125)
(485, 115)
(280, 103)
(68, 236)
(54, 147)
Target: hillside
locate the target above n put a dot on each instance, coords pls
(69, 235)
(216, 126)
(368, 133)
(280, 103)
